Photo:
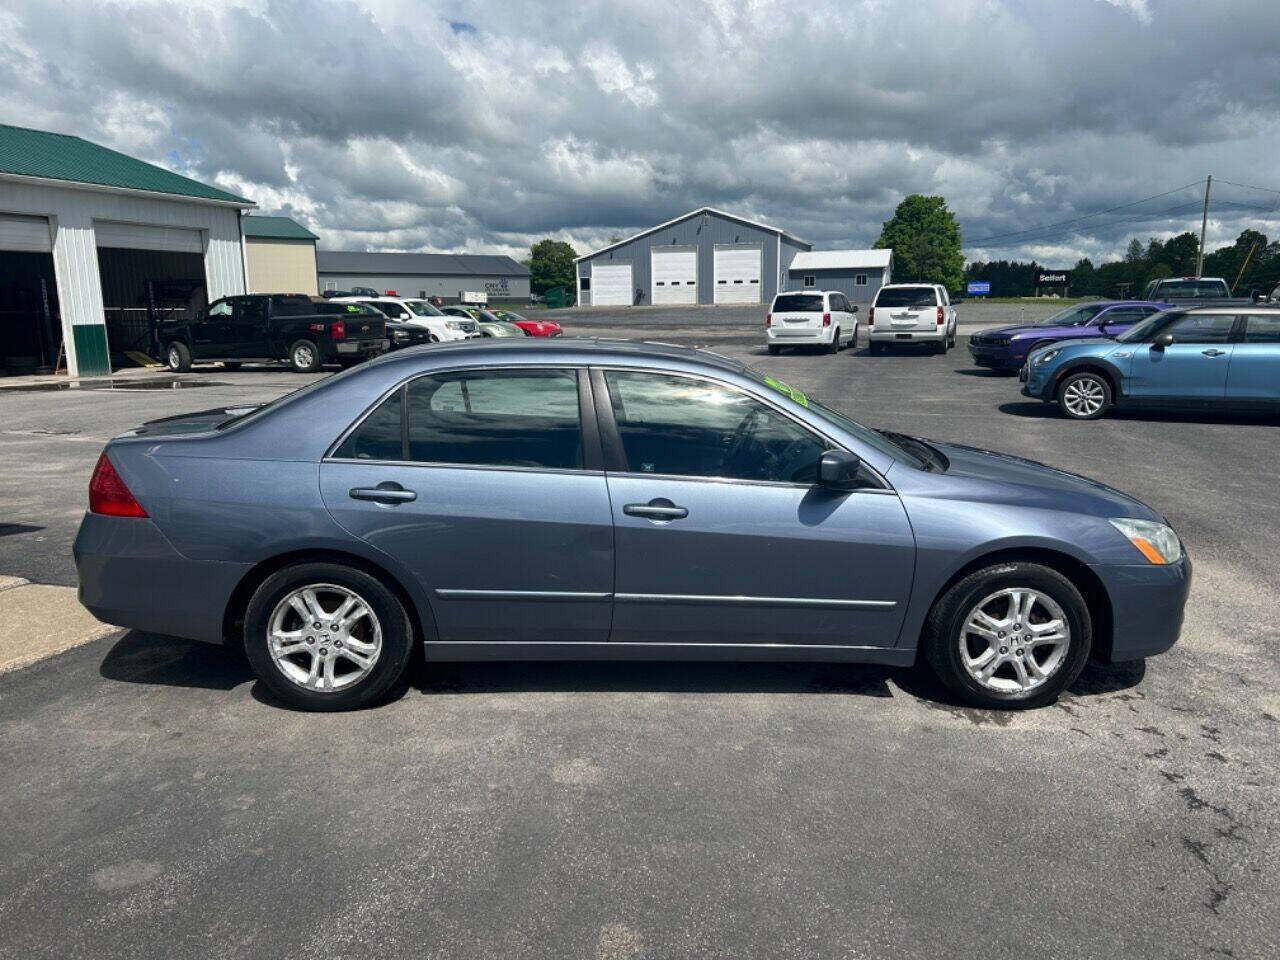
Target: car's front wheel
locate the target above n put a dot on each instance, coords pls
(304, 357)
(1084, 396)
(1013, 635)
(323, 636)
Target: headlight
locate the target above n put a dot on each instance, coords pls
(1046, 356)
(399, 334)
(456, 324)
(1155, 541)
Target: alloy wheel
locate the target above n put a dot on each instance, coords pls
(1084, 397)
(1014, 640)
(324, 637)
(303, 357)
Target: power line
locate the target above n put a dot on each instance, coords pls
(1054, 234)
(1249, 186)
(1089, 216)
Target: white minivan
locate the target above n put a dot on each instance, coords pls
(912, 313)
(811, 318)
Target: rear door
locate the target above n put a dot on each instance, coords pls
(248, 328)
(721, 535)
(1254, 372)
(907, 309)
(797, 315)
(1193, 367)
(487, 487)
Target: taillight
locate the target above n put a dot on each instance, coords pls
(338, 330)
(826, 319)
(108, 495)
(941, 319)
(871, 316)
(768, 320)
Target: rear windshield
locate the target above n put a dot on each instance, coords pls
(798, 303)
(907, 297)
(1190, 289)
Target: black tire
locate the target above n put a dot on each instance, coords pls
(876, 348)
(853, 341)
(387, 669)
(304, 357)
(834, 345)
(943, 635)
(230, 364)
(1084, 396)
(178, 357)
(940, 348)
(774, 350)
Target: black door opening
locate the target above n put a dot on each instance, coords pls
(141, 288)
(30, 324)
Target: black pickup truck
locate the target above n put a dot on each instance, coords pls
(308, 332)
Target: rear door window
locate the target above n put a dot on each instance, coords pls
(1262, 328)
(798, 303)
(499, 418)
(907, 297)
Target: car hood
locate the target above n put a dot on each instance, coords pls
(1028, 330)
(1011, 479)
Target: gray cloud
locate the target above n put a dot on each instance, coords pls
(393, 124)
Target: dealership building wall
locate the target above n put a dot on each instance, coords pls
(706, 256)
(281, 256)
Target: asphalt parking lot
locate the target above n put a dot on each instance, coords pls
(156, 802)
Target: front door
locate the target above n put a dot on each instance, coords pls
(1193, 367)
(477, 483)
(721, 535)
(248, 337)
(210, 330)
(1254, 373)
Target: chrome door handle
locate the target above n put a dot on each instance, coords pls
(1213, 353)
(385, 492)
(657, 509)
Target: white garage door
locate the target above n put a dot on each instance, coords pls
(737, 273)
(675, 275)
(137, 236)
(611, 285)
(28, 234)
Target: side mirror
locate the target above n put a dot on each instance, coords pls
(838, 470)
(853, 308)
(1162, 341)
(1258, 296)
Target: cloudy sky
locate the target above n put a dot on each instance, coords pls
(481, 126)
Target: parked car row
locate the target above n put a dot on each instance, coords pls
(310, 332)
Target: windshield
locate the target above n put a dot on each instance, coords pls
(872, 438)
(1190, 289)
(798, 303)
(1072, 316)
(1144, 330)
(907, 297)
(424, 309)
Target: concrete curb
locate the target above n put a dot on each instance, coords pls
(38, 621)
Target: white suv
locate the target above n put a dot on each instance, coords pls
(812, 318)
(911, 313)
(422, 314)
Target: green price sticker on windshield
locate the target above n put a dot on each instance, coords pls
(787, 391)
(354, 308)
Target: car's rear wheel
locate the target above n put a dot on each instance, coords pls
(1013, 635)
(304, 357)
(1084, 396)
(178, 357)
(834, 345)
(323, 636)
(941, 346)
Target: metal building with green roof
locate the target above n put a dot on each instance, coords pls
(280, 254)
(95, 246)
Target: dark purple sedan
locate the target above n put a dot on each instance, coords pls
(1006, 348)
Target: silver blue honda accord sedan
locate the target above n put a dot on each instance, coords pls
(613, 500)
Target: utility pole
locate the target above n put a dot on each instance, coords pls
(1204, 223)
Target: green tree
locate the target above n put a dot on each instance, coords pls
(1180, 253)
(925, 239)
(551, 265)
